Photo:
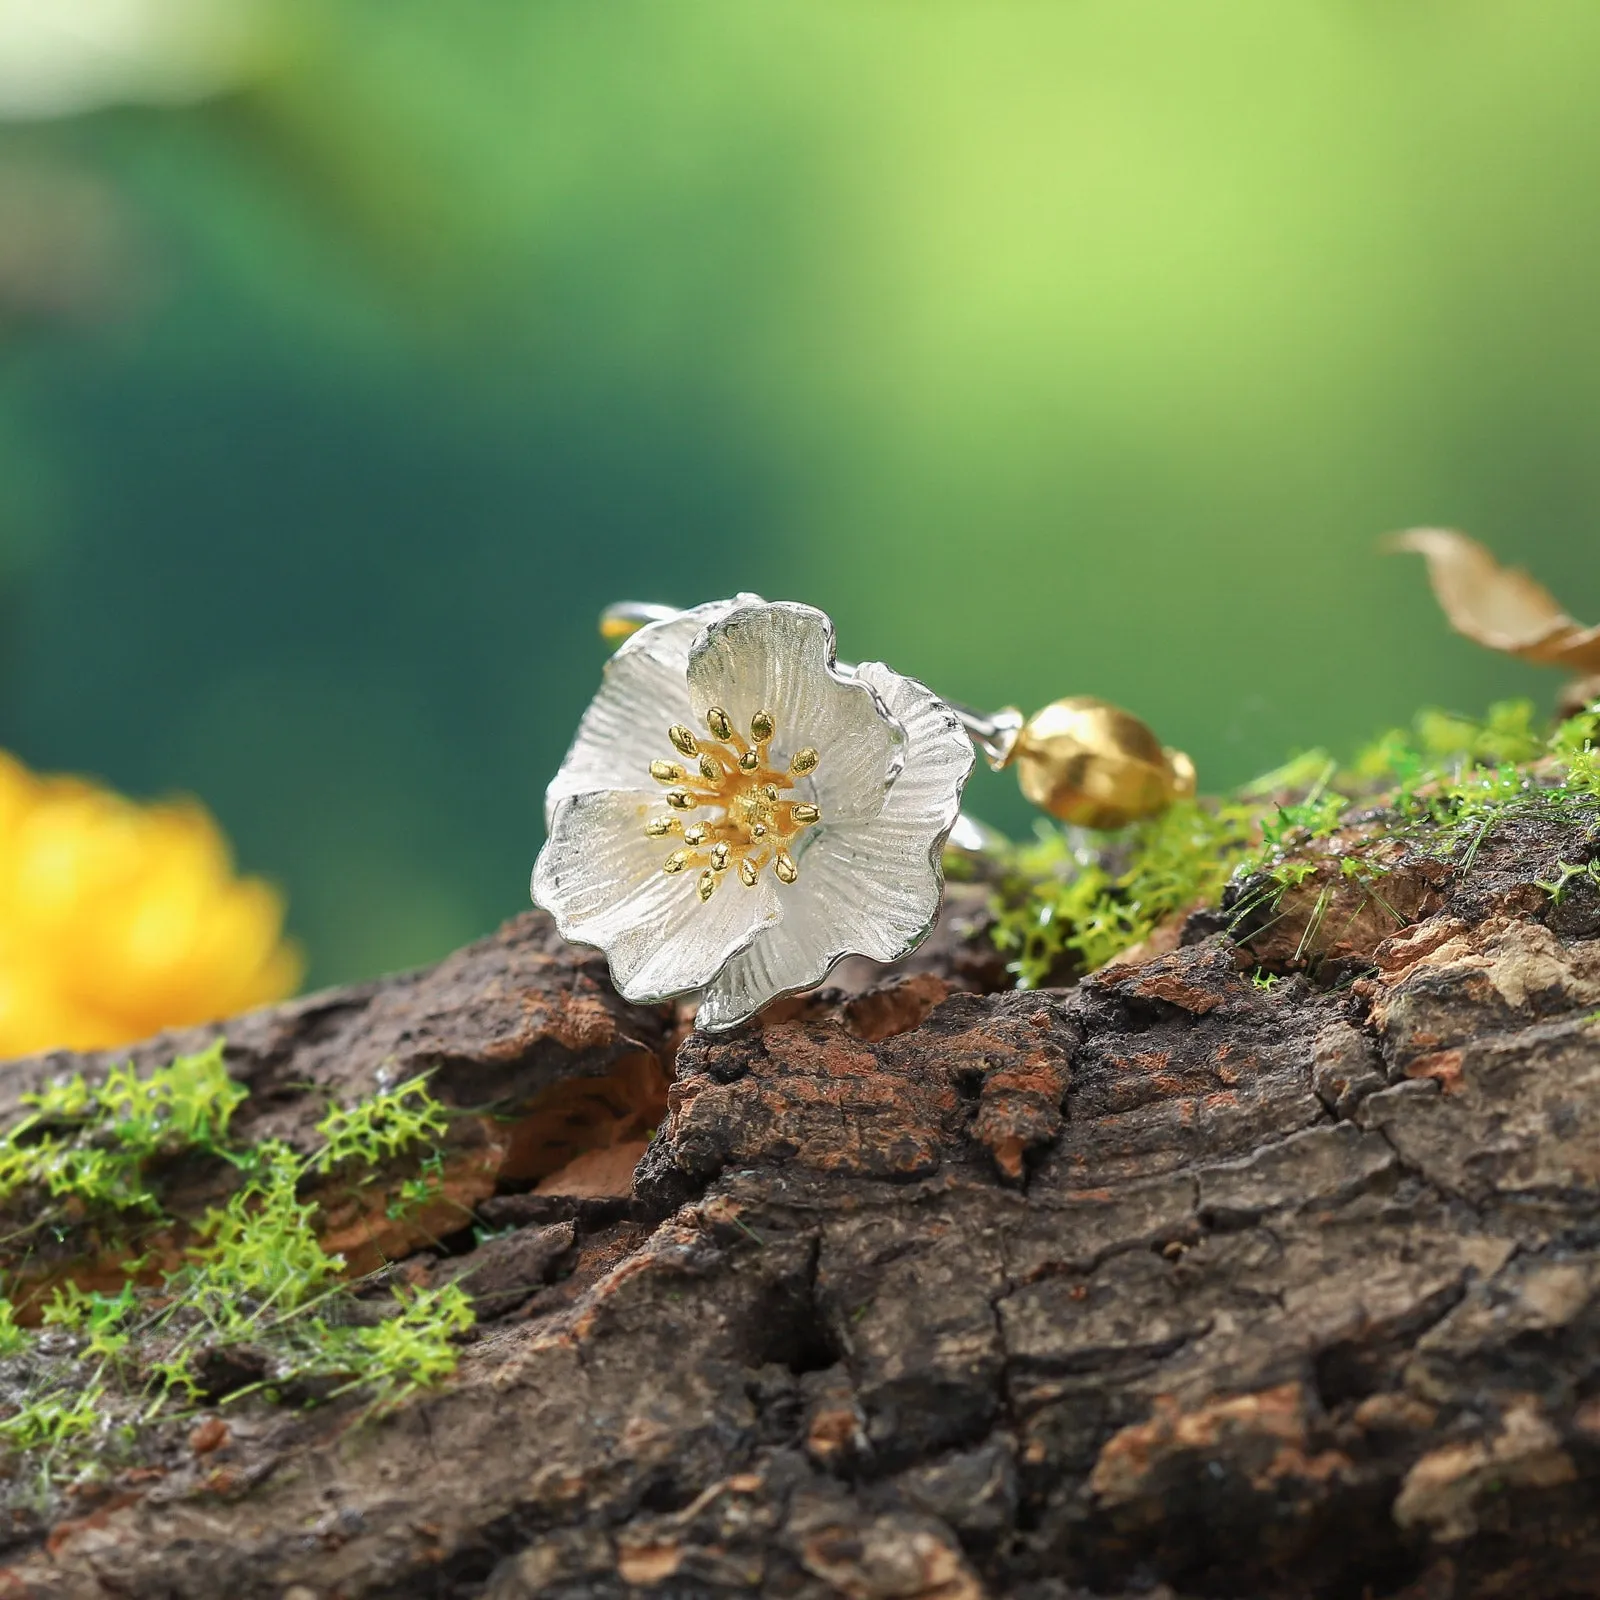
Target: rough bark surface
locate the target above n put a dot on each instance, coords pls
(1173, 1282)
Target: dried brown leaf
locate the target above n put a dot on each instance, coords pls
(1500, 607)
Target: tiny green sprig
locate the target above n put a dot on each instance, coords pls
(1568, 873)
(414, 1348)
(13, 1339)
(377, 1129)
(415, 1193)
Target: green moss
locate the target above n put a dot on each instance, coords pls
(254, 1272)
(1063, 904)
(13, 1340)
(1567, 873)
(415, 1346)
(1441, 740)
(376, 1129)
(94, 1145)
(1070, 901)
(422, 1190)
(51, 1424)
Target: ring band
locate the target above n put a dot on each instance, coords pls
(740, 810)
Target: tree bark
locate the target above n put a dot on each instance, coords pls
(1173, 1282)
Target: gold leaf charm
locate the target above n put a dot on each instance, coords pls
(1091, 763)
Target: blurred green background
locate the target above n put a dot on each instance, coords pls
(353, 355)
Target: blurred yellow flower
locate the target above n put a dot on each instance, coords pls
(118, 919)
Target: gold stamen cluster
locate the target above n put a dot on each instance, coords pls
(750, 822)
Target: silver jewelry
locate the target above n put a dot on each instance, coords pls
(740, 810)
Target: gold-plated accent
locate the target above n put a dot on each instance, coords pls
(1093, 764)
(626, 617)
(614, 629)
(1184, 778)
(753, 816)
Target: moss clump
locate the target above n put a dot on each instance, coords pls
(1064, 903)
(1068, 901)
(253, 1274)
(94, 1146)
(1452, 782)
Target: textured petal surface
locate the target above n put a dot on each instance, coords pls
(643, 692)
(869, 888)
(795, 954)
(780, 658)
(600, 877)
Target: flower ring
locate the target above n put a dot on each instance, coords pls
(740, 810)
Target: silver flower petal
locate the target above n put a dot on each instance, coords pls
(642, 692)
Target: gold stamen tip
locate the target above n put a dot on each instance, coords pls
(681, 800)
(719, 722)
(676, 862)
(804, 760)
(614, 629)
(719, 857)
(708, 885)
(682, 740)
(695, 833)
(803, 812)
(711, 770)
(761, 726)
(749, 761)
(770, 791)
(666, 772)
(747, 873)
(785, 868)
(660, 827)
